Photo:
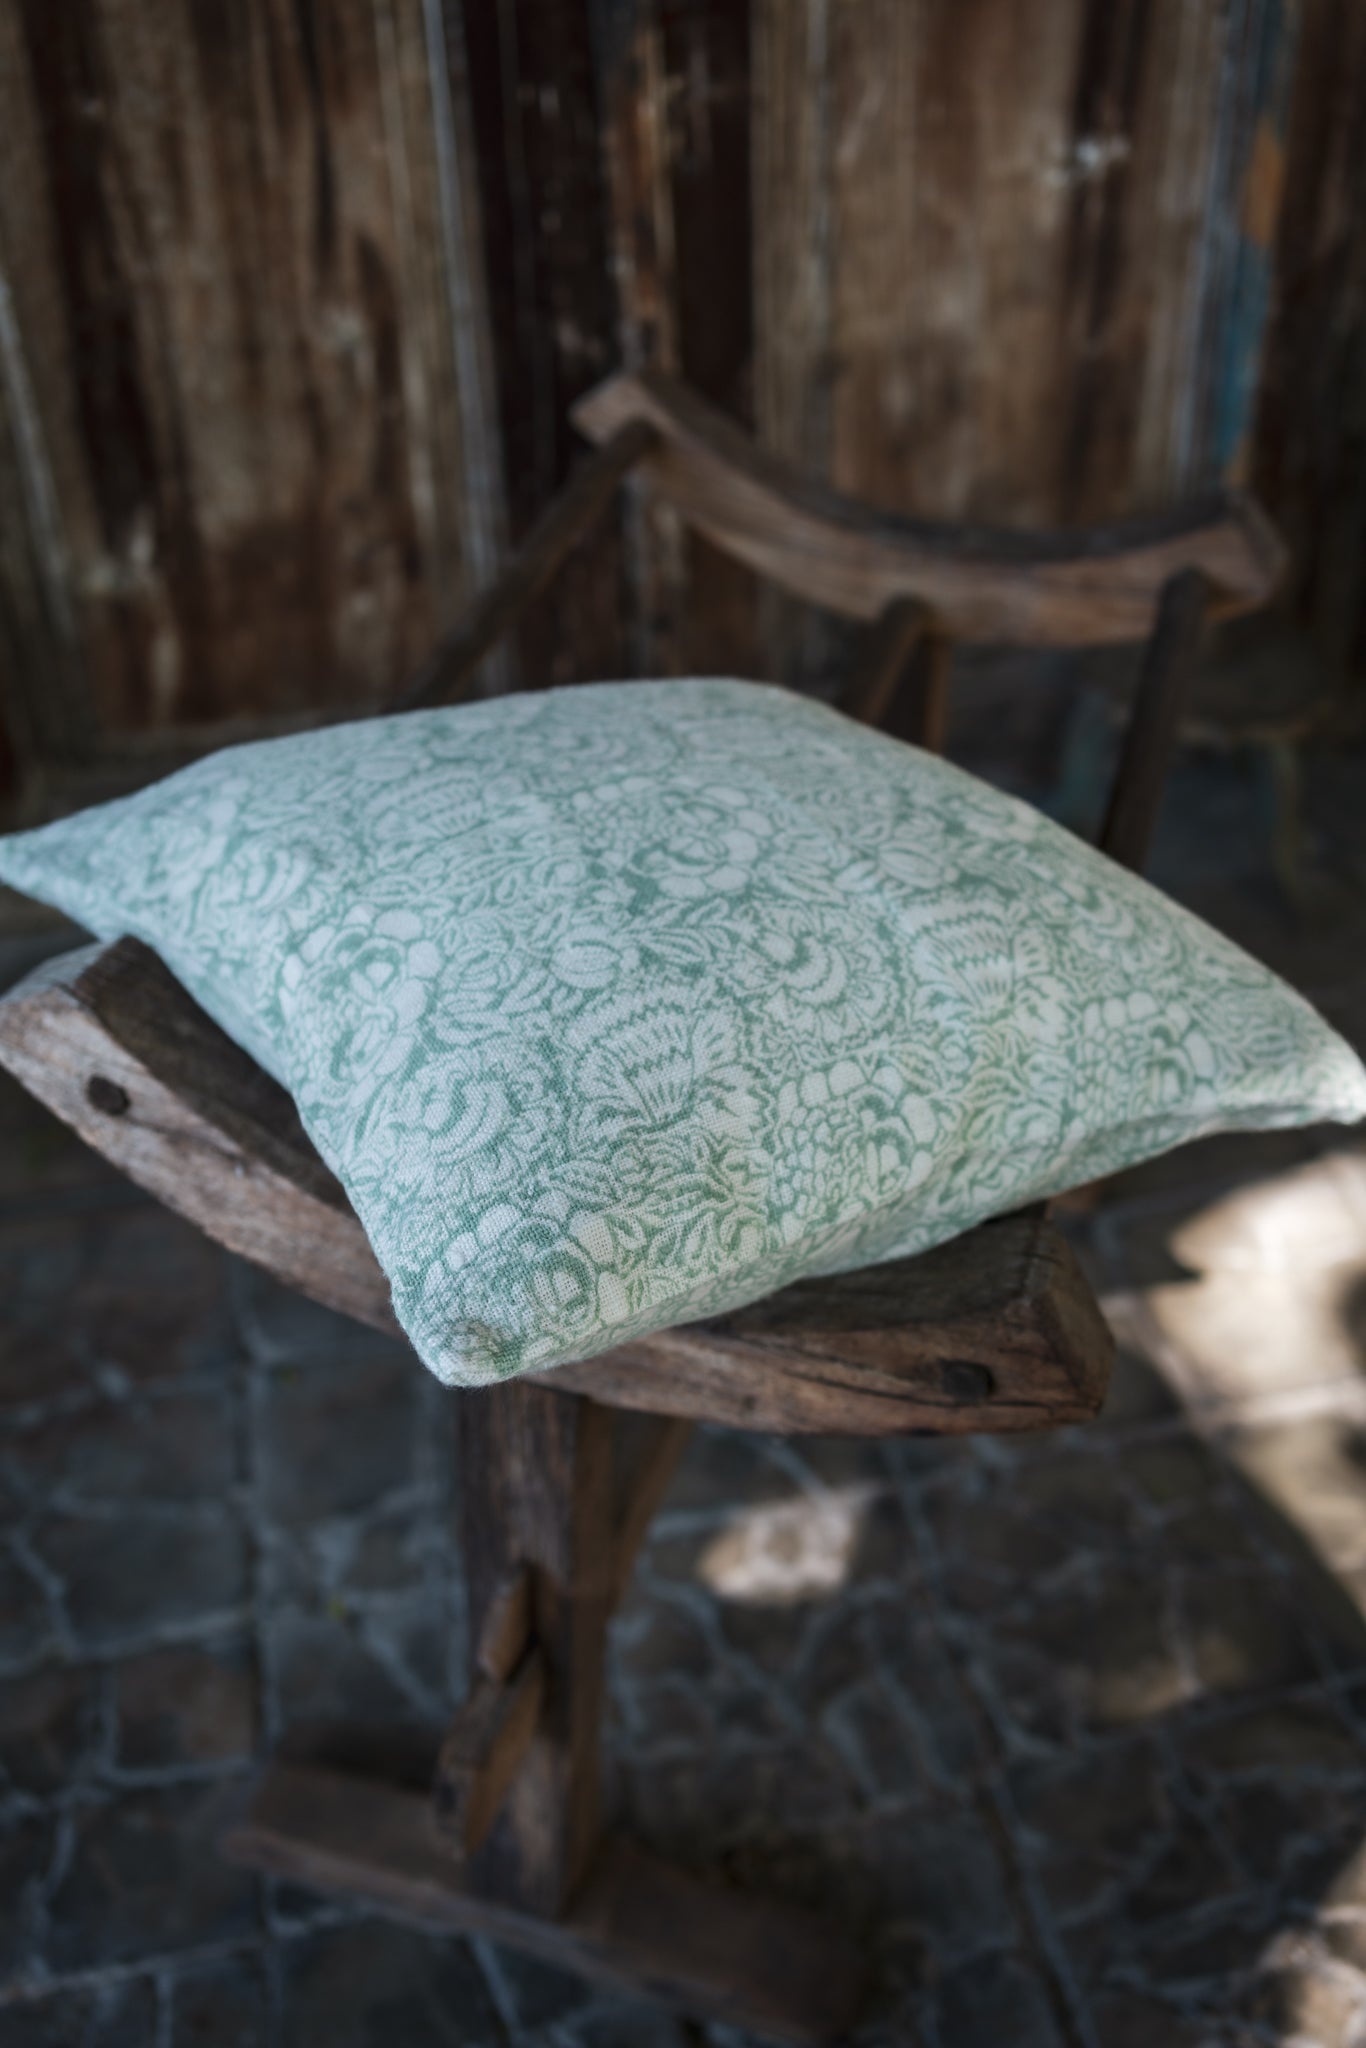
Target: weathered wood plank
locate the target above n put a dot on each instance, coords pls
(946, 194)
(644, 1459)
(1309, 457)
(221, 232)
(793, 358)
(674, 111)
(1163, 685)
(636, 145)
(1011, 263)
(890, 643)
(983, 584)
(484, 1748)
(570, 520)
(636, 1924)
(708, 89)
(535, 1491)
(536, 123)
(107, 1039)
(995, 1331)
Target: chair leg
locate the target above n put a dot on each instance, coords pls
(510, 1843)
(535, 1490)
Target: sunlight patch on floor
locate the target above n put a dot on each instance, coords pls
(784, 1551)
(1275, 1266)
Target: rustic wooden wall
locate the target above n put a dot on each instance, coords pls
(294, 296)
(1009, 252)
(249, 453)
(1310, 451)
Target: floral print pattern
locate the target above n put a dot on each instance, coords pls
(625, 1004)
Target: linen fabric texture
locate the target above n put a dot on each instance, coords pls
(621, 1005)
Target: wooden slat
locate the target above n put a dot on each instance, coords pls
(651, 1464)
(110, 1042)
(708, 104)
(792, 265)
(946, 194)
(636, 1924)
(890, 643)
(506, 1628)
(536, 118)
(928, 722)
(995, 1331)
(636, 146)
(248, 352)
(1009, 262)
(534, 1491)
(483, 1750)
(1308, 455)
(1163, 684)
(982, 584)
(449, 671)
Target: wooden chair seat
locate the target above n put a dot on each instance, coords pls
(997, 1330)
(557, 1483)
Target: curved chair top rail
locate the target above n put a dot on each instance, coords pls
(996, 1331)
(983, 583)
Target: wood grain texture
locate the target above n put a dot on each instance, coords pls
(636, 1924)
(674, 99)
(1309, 455)
(982, 584)
(887, 649)
(505, 1630)
(482, 1752)
(107, 1039)
(534, 1491)
(567, 523)
(1163, 687)
(708, 97)
(995, 1331)
(645, 1455)
(1007, 259)
(536, 119)
(636, 144)
(927, 721)
(222, 234)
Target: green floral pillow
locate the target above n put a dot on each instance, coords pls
(626, 1004)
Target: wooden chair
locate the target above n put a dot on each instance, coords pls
(997, 1331)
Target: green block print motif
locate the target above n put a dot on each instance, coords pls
(621, 1005)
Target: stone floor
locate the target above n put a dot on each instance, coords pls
(1072, 1730)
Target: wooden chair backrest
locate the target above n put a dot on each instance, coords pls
(922, 586)
(980, 583)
